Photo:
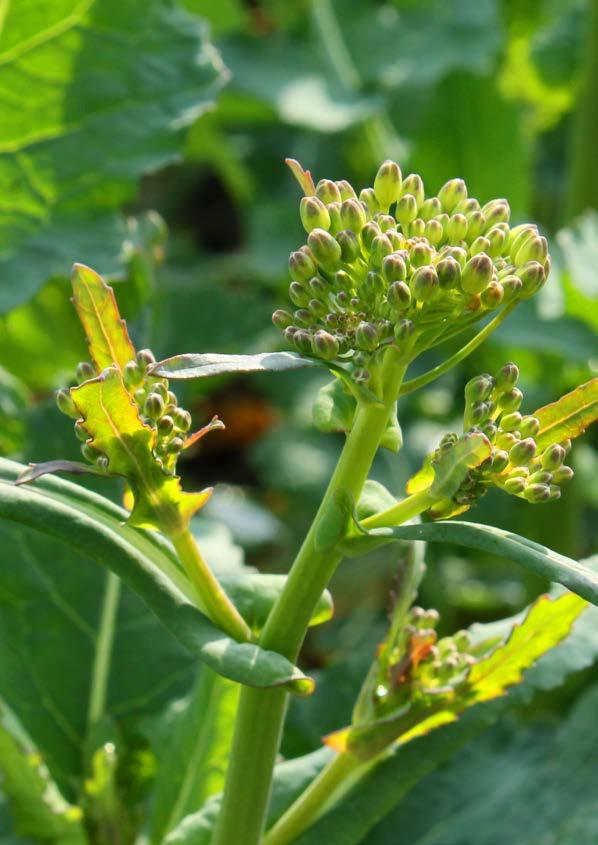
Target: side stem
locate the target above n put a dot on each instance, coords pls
(261, 712)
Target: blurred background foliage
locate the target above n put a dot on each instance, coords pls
(183, 123)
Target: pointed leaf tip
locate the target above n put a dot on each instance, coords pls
(304, 177)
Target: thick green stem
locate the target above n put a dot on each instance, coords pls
(213, 600)
(261, 712)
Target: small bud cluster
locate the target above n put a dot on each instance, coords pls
(158, 409)
(367, 277)
(515, 464)
(420, 664)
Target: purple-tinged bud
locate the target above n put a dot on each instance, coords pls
(420, 254)
(505, 440)
(380, 248)
(481, 244)
(386, 222)
(529, 426)
(176, 445)
(424, 283)
(394, 268)
(532, 277)
(456, 228)
(65, 403)
(476, 224)
(492, 296)
(368, 198)
(301, 266)
(507, 377)
(553, 457)
(282, 319)
(477, 274)
(165, 425)
(317, 308)
(404, 329)
(85, 371)
(449, 273)
(132, 375)
(452, 193)
(182, 419)
(373, 286)
(434, 232)
(387, 184)
(341, 281)
(490, 429)
(399, 296)
(535, 493)
(496, 211)
(542, 476)
(497, 239)
(346, 190)
(417, 228)
(456, 252)
(366, 337)
(562, 474)
(406, 210)
(414, 185)
(370, 231)
(479, 388)
(515, 485)
(325, 345)
(154, 406)
(511, 286)
(302, 341)
(298, 295)
(523, 452)
(533, 249)
(519, 235)
(353, 215)
(510, 401)
(325, 248)
(500, 460)
(145, 359)
(328, 191)
(467, 206)
(350, 249)
(430, 208)
(478, 413)
(314, 214)
(511, 422)
(385, 329)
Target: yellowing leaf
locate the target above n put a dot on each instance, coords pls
(304, 177)
(569, 416)
(107, 335)
(115, 428)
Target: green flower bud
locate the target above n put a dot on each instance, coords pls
(182, 419)
(424, 283)
(176, 445)
(492, 296)
(430, 208)
(132, 375)
(319, 288)
(529, 427)
(381, 247)
(414, 185)
(397, 239)
(65, 403)
(479, 388)
(534, 248)
(346, 190)
(456, 252)
(373, 286)
(369, 201)
(154, 406)
(540, 477)
(515, 485)
(353, 215)
(336, 222)
(386, 329)
(145, 359)
(399, 296)
(366, 336)
(553, 457)
(480, 244)
(303, 317)
(370, 231)
(386, 222)
(314, 214)
(520, 235)
(165, 425)
(80, 433)
(298, 295)
(328, 191)
(362, 376)
(302, 341)
(301, 267)
(449, 273)
(317, 308)
(510, 401)
(535, 493)
(325, 345)
(434, 232)
(394, 268)
(406, 210)
(456, 228)
(420, 254)
(532, 277)
(478, 413)
(476, 224)
(342, 281)
(507, 377)
(387, 184)
(325, 248)
(417, 228)
(452, 193)
(490, 429)
(349, 245)
(510, 422)
(511, 286)
(497, 239)
(562, 474)
(467, 206)
(85, 371)
(522, 452)
(404, 329)
(102, 462)
(566, 444)
(496, 211)
(477, 274)
(500, 460)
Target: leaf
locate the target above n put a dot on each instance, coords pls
(569, 416)
(34, 471)
(112, 421)
(103, 541)
(213, 364)
(107, 335)
(304, 177)
(37, 807)
(108, 104)
(534, 556)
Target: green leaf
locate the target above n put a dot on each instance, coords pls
(37, 807)
(569, 416)
(534, 556)
(107, 335)
(103, 540)
(108, 104)
(213, 364)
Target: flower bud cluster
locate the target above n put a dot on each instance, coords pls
(390, 263)
(420, 664)
(515, 463)
(158, 409)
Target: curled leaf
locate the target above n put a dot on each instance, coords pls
(569, 416)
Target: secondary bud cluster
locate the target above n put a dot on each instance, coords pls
(419, 664)
(392, 266)
(158, 409)
(515, 464)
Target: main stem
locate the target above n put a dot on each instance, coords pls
(261, 712)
